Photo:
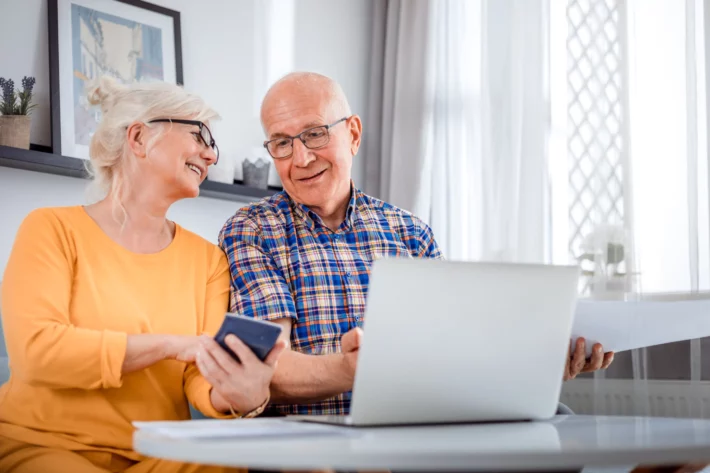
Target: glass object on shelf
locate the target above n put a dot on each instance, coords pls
(603, 260)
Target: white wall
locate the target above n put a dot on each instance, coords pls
(23, 191)
(334, 37)
(220, 58)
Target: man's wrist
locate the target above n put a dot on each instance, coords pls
(221, 404)
(344, 373)
(254, 412)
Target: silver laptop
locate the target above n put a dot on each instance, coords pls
(449, 342)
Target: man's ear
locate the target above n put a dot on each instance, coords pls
(136, 137)
(355, 133)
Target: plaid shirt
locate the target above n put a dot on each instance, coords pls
(286, 263)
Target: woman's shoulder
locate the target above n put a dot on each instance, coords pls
(53, 217)
(202, 249)
(192, 241)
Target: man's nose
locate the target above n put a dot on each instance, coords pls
(302, 156)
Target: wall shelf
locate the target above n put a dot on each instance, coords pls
(41, 159)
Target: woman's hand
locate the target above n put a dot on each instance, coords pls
(146, 349)
(185, 347)
(242, 385)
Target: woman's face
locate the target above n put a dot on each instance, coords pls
(177, 162)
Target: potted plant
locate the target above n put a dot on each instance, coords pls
(15, 109)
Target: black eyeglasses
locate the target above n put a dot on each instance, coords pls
(205, 134)
(312, 138)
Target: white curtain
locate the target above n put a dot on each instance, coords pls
(669, 169)
(459, 122)
(668, 136)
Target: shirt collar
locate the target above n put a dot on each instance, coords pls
(310, 218)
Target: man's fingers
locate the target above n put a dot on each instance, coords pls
(595, 362)
(580, 348)
(208, 367)
(243, 352)
(608, 360)
(567, 376)
(223, 359)
(275, 353)
(579, 358)
(351, 340)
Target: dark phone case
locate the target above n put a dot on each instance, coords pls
(258, 335)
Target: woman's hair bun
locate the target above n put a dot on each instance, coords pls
(103, 92)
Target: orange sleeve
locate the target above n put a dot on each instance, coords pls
(197, 388)
(44, 348)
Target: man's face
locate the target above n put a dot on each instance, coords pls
(313, 177)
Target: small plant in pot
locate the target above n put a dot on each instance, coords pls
(15, 107)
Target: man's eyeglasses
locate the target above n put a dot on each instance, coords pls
(205, 134)
(312, 138)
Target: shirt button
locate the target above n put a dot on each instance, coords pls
(348, 274)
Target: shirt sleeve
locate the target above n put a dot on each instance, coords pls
(428, 248)
(259, 288)
(197, 389)
(44, 347)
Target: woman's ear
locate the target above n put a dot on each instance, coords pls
(136, 137)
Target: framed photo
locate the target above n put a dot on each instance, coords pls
(130, 40)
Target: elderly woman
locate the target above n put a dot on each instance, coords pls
(104, 305)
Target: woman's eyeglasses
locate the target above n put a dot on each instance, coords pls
(205, 134)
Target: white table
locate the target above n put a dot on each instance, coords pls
(563, 443)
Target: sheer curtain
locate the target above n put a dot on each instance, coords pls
(668, 168)
(459, 122)
(669, 163)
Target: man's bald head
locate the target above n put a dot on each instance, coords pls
(310, 87)
(315, 169)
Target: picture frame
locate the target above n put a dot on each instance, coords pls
(131, 40)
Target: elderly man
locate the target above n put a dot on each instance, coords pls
(302, 257)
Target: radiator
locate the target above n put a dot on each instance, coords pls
(646, 398)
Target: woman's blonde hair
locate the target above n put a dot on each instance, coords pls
(122, 105)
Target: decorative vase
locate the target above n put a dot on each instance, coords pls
(15, 131)
(256, 173)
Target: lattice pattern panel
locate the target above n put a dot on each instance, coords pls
(595, 81)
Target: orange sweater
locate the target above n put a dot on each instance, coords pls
(70, 296)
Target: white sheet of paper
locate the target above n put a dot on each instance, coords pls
(238, 428)
(625, 325)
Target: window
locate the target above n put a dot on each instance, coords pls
(590, 193)
(595, 116)
(631, 112)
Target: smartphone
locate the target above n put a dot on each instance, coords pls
(259, 335)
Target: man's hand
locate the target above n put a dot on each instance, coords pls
(577, 361)
(350, 346)
(242, 385)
